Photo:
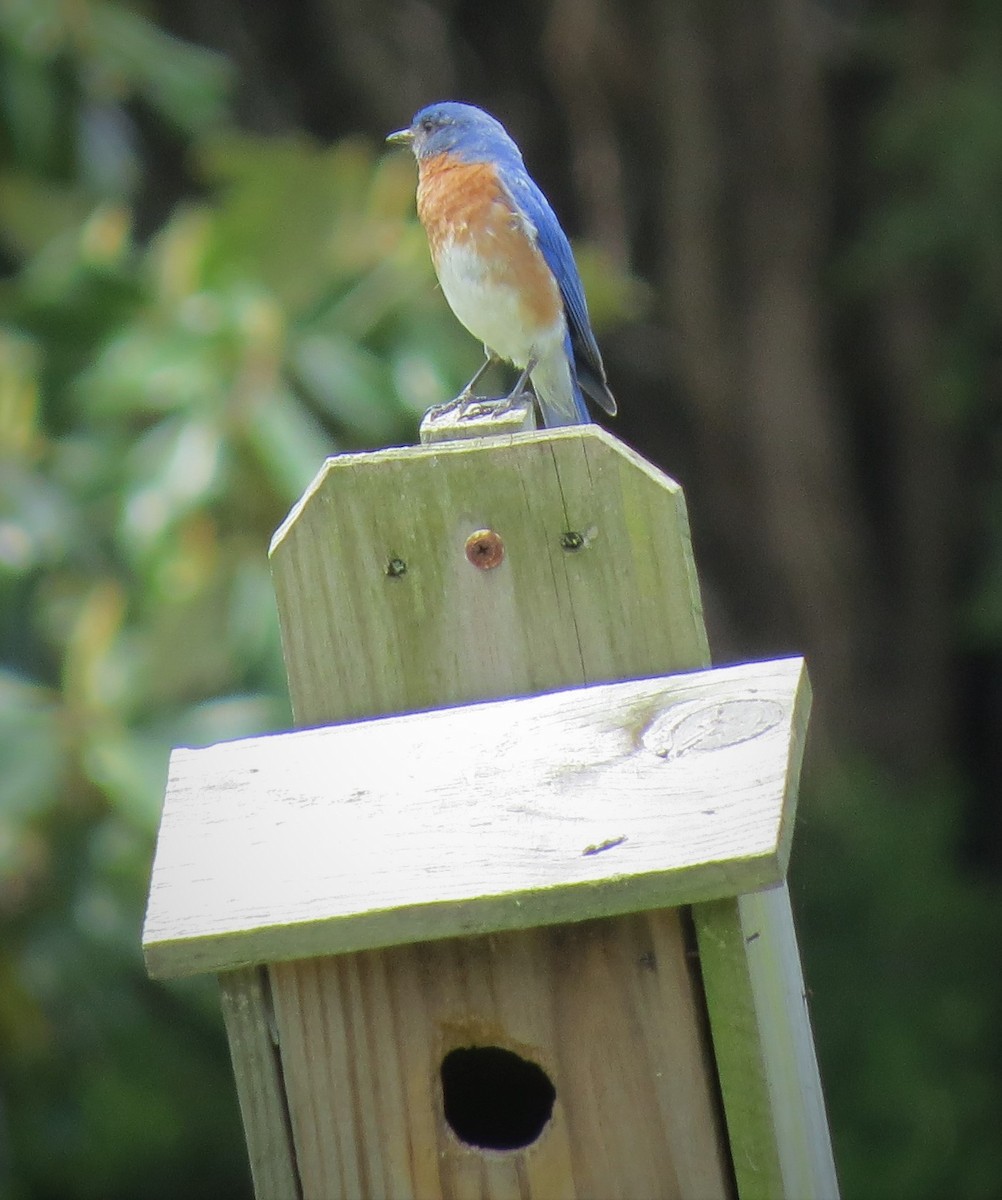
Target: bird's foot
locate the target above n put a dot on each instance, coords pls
(472, 416)
(475, 407)
(462, 407)
(455, 405)
(467, 407)
(470, 406)
(519, 397)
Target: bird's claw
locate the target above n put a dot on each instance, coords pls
(467, 407)
(463, 407)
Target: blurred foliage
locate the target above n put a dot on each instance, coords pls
(163, 402)
(935, 149)
(911, 1055)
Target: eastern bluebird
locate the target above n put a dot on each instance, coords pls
(504, 263)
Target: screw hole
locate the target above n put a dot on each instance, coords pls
(494, 1099)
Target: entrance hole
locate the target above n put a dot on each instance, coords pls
(495, 1099)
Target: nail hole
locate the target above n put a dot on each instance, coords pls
(494, 1099)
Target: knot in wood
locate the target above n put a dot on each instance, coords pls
(697, 727)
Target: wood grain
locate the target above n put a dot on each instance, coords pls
(247, 1011)
(775, 1108)
(359, 642)
(609, 799)
(607, 1008)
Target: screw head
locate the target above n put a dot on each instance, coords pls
(484, 549)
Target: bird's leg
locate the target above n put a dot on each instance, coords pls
(523, 379)
(462, 403)
(519, 387)
(485, 366)
(466, 405)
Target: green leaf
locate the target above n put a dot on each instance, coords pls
(288, 441)
(186, 84)
(146, 369)
(33, 211)
(35, 112)
(32, 749)
(173, 469)
(131, 771)
(350, 383)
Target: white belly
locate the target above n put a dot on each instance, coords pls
(491, 310)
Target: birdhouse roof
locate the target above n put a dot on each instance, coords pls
(581, 803)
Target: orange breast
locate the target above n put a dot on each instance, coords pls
(463, 204)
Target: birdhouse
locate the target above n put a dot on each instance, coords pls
(506, 915)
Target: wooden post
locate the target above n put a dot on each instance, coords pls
(411, 580)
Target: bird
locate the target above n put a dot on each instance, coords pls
(503, 261)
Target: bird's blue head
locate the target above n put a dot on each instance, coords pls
(458, 129)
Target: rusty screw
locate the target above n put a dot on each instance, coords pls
(484, 549)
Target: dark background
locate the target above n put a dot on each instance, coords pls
(789, 222)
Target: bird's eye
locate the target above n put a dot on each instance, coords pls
(427, 124)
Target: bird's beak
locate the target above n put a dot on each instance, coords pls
(403, 137)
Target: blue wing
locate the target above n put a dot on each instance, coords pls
(556, 249)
